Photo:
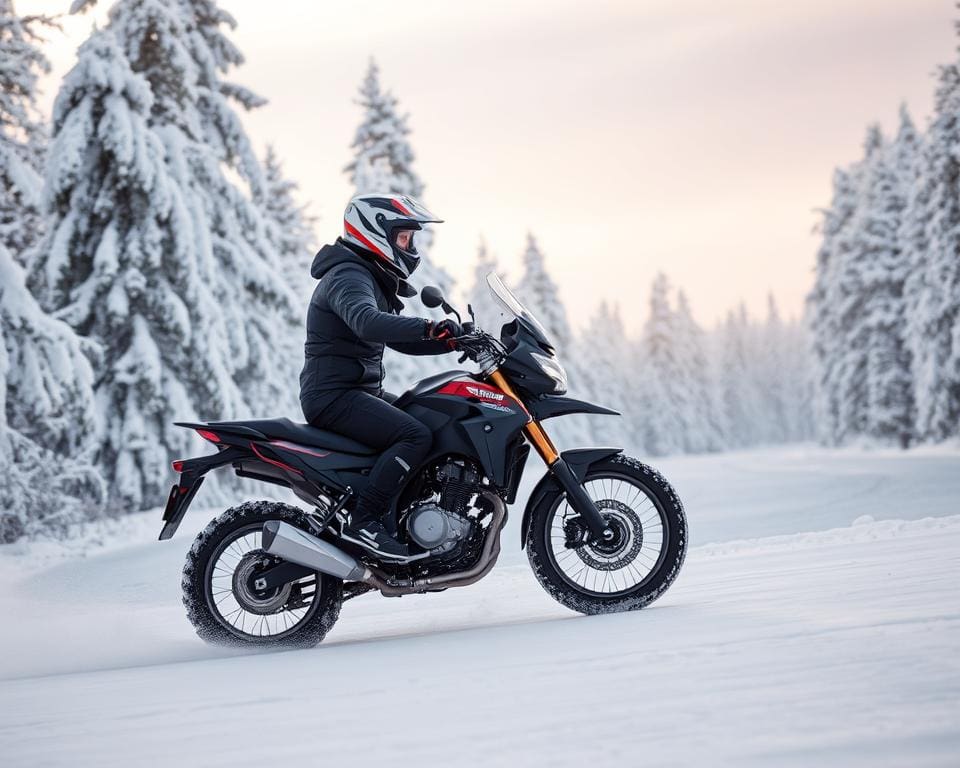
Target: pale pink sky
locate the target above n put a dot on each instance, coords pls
(695, 137)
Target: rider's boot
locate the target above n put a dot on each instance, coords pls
(369, 531)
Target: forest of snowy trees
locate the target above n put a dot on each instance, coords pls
(680, 388)
(153, 269)
(885, 310)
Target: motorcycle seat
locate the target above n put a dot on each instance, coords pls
(302, 434)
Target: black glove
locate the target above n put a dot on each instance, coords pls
(445, 331)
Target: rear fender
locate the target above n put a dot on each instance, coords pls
(191, 478)
(579, 460)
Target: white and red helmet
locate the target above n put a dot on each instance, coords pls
(373, 221)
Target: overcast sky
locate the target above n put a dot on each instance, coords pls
(695, 137)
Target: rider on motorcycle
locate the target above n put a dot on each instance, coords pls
(353, 314)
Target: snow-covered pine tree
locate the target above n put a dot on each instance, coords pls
(660, 424)
(382, 152)
(640, 396)
(738, 387)
(702, 419)
(119, 266)
(261, 313)
(383, 163)
(781, 365)
(46, 416)
(771, 375)
(930, 238)
(848, 294)
(290, 227)
(23, 134)
(153, 252)
(889, 407)
(796, 359)
(488, 312)
(602, 352)
(537, 290)
(822, 305)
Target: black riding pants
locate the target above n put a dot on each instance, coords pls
(402, 440)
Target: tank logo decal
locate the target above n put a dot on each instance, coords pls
(483, 392)
(496, 407)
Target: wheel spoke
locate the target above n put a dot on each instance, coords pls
(246, 613)
(619, 566)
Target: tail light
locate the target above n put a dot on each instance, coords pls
(177, 465)
(206, 434)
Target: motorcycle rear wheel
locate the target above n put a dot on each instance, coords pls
(223, 607)
(635, 568)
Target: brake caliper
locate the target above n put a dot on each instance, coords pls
(576, 534)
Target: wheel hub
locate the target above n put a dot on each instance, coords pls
(616, 541)
(250, 598)
(622, 547)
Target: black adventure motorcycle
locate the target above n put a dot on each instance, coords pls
(603, 531)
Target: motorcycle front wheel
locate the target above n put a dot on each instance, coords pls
(219, 585)
(631, 570)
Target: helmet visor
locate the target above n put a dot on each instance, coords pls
(403, 240)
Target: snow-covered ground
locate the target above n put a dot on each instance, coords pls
(784, 647)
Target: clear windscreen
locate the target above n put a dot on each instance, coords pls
(511, 304)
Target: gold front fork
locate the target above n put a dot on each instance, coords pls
(535, 433)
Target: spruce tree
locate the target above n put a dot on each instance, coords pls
(46, 395)
(798, 378)
(930, 235)
(773, 376)
(702, 422)
(154, 253)
(290, 226)
(662, 428)
(538, 292)
(23, 134)
(849, 295)
(383, 163)
(488, 312)
(602, 351)
(823, 304)
(46, 416)
(382, 151)
(739, 390)
(889, 406)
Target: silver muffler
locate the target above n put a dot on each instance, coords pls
(292, 544)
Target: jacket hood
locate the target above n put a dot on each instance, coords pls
(332, 255)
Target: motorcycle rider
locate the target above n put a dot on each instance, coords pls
(353, 314)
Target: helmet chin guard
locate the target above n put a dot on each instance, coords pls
(372, 222)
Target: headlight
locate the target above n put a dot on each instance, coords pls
(551, 366)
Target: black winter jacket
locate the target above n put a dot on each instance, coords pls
(353, 313)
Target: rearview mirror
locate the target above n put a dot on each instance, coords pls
(431, 296)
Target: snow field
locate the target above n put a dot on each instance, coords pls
(835, 647)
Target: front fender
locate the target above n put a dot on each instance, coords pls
(548, 406)
(579, 460)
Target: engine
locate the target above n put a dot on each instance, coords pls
(443, 526)
(436, 529)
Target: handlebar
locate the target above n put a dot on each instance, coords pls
(479, 346)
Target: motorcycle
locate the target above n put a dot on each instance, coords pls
(603, 531)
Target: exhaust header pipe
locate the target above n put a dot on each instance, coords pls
(292, 544)
(296, 546)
